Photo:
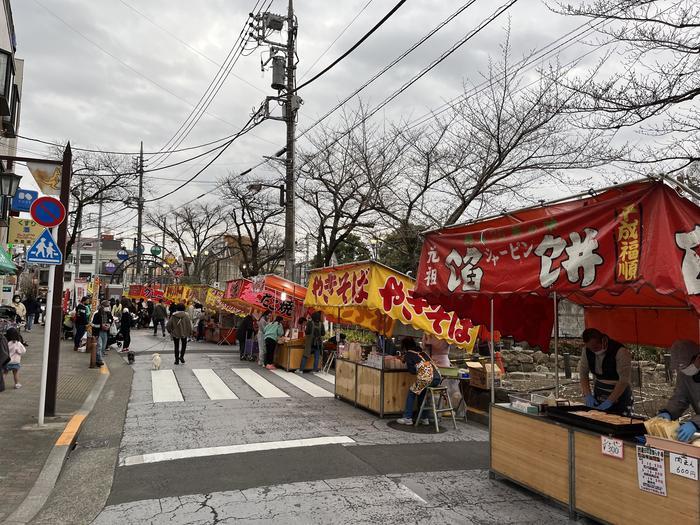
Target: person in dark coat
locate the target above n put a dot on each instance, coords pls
(125, 325)
(246, 331)
(33, 307)
(160, 314)
(82, 318)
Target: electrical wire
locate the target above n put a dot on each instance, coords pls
(184, 43)
(210, 92)
(386, 68)
(243, 131)
(354, 46)
(336, 39)
(123, 63)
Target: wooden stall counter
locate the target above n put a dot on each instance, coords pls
(288, 356)
(566, 464)
(607, 488)
(532, 451)
(382, 391)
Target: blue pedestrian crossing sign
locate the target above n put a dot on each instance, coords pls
(45, 250)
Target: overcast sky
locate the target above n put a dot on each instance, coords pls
(73, 88)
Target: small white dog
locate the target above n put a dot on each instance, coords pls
(156, 361)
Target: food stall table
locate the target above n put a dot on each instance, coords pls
(573, 471)
(382, 391)
(288, 355)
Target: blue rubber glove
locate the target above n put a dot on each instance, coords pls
(605, 405)
(590, 401)
(686, 431)
(665, 415)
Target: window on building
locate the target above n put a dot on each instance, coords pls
(67, 276)
(86, 259)
(43, 277)
(85, 275)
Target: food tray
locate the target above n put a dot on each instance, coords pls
(563, 414)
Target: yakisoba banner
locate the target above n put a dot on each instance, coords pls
(375, 297)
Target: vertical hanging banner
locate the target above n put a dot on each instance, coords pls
(47, 176)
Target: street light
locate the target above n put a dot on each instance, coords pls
(258, 186)
(9, 182)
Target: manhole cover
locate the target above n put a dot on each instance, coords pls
(420, 429)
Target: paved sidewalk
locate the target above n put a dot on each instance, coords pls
(26, 446)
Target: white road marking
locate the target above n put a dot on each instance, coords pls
(326, 377)
(261, 385)
(212, 384)
(232, 449)
(303, 384)
(164, 386)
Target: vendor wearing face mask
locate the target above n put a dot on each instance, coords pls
(611, 366)
(685, 358)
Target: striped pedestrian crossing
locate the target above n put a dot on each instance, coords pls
(212, 384)
(303, 384)
(197, 384)
(164, 386)
(258, 383)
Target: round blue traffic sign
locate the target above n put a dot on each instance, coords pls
(48, 212)
(122, 255)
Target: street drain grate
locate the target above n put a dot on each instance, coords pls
(75, 387)
(93, 443)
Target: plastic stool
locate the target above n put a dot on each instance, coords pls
(441, 393)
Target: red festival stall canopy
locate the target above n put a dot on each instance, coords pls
(267, 292)
(628, 255)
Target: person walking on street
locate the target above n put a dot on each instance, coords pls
(101, 323)
(160, 314)
(262, 323)
(180, 328)
(20, 310)
(244, 333)
(32, 307)
(125, 326)
(81, 322)
(313, 341)
(16, 348)
(117, 309)
(273, 331)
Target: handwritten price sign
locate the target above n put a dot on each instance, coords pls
(612, 447)
(683, 466)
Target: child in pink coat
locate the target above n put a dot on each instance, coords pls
(14, 342)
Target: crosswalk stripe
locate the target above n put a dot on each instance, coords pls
(261, 385)
(212, 384)
(326, 377)
(303, 384)
(164, 386)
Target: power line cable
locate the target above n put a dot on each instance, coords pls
(184, 43)
(125, 64)
(210, 92)
(336, 39)
(354, 46)
(389, 66)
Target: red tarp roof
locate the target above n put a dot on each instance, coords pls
(628, 255)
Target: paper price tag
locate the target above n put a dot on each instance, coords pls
(683, 466)
(612, 447)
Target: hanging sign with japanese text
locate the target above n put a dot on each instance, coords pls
(640, 238)
(374, 296)
(256, 294)
(651, 472)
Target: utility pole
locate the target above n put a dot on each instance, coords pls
(99, 241)
(79, 240)
(140, 212)
(290, 117)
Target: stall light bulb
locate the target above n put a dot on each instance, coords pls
(283, 296)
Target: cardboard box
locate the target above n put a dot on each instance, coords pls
(480, 375)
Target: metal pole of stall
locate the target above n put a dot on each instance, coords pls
(556, 347)
(493, 352)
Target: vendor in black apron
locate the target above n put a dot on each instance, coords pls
(611, 366)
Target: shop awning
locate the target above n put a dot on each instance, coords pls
(7, 267)
(374, 296)
(266, 292)
(628, 255)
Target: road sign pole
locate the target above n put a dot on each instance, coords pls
(47, 341)
(56, 319)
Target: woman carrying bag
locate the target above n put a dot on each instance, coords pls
(427, 375)
(273, 331)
